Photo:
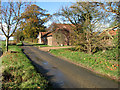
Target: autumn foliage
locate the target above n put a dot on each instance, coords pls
(34, 18)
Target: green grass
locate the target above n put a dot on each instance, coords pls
(18, 72)
(103, 63)
(37, 44)
(19, 44)
(42, 45)
(3, 45)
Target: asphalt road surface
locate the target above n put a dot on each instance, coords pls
(0, 52)
(63, 74)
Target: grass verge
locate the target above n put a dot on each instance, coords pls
(18, 72)
(37, 44)
(42, 45)
(101, 63)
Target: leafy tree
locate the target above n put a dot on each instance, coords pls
(83, 16)
(34, 19)
(11, 17)
(19, 36)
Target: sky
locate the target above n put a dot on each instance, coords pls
(52, 7)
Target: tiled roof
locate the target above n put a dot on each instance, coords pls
(67, 27)
(112, 32)
(64, 26)
(46, 33)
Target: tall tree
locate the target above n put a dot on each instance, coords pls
(11, 16)
(34, 20)
(84, 16)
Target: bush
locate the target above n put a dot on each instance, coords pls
(19, 44)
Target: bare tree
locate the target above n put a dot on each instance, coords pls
(11, 16)
(83, 16)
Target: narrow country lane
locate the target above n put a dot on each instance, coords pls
(63, 74)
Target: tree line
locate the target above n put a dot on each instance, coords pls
(26, 20)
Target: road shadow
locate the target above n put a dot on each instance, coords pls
(1, 52)
(26, 44)
(51, 85)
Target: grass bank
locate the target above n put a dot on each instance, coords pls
(104, 63)
(18, 72)
(42, 45)
(37, 44)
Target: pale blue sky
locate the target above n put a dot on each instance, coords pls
(52, 7)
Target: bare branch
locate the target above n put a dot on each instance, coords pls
(3, 30)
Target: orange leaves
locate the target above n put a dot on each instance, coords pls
(117, 65)
(108, 67)
(114, 67)
(33, 16)
(101, 62)
(111, 69)
(38, 87)
(35, 20)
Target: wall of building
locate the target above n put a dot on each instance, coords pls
(39, 38)
(49, 39)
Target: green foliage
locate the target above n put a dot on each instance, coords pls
(116, 39)
(86, 18)
(41, 45)
(3, 46)
(19, 44)
(83, 16)
(31, 40)
(105, 63)
(111, 54)
(19, 36)
(34, 19)
(18, 72)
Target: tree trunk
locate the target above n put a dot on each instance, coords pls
(32, 40)
(89, 49)
(7, 40)
(89, 52)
